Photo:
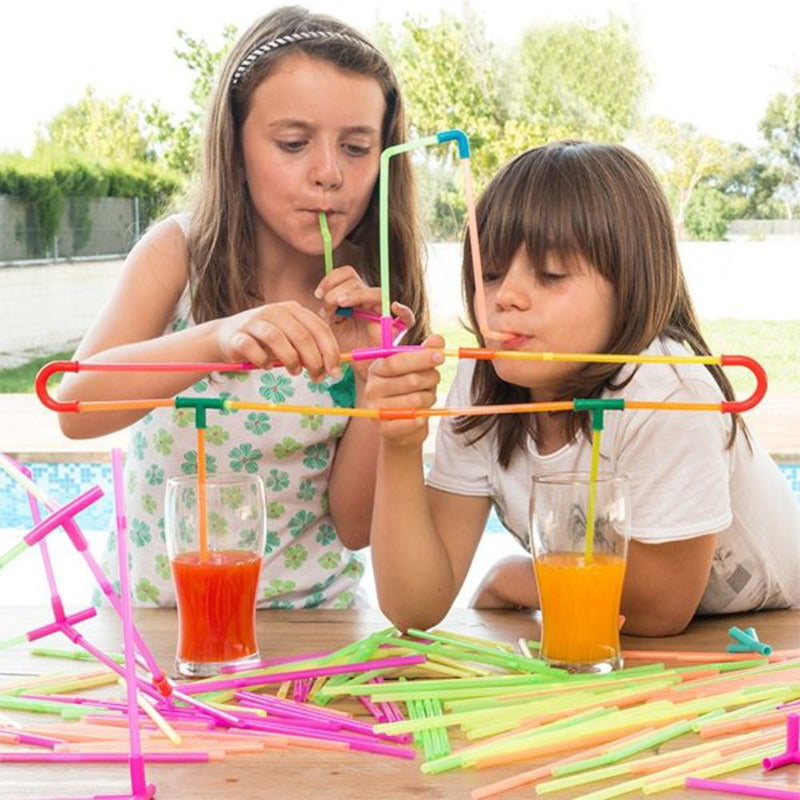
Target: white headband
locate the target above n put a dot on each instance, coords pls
(290, 38)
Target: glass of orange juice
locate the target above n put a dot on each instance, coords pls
(580, 567)
(215, 577)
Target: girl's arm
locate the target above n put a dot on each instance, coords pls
(664, 584)
(130, 328)
(423, 540)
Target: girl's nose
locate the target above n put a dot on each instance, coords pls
(326, 171)
(515, 289)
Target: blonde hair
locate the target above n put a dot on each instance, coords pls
(604, 204)
(221, 240)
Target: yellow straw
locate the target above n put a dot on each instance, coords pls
(326, 241)
(589, 546)
(201, 494)
(160, 722)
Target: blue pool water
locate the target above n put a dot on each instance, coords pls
(63, 481)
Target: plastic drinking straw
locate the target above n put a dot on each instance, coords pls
(82, 546)
(792, 754)
(50, 627)
(139, 785)
(50, 523)
(743, 787)
(327, 246)
(597, 432)
(75, 655)
(748, 641)
(160, 722)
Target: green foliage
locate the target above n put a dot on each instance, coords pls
(708, 214)
(781, 129)
(576, 81)
(46, 186)
(177, 141)
(108, 129)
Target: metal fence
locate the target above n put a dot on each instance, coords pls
(90, 228)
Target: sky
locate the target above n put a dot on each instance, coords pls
(713, 63)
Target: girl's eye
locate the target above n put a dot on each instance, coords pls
(552, 277)
(491, 277)
(356, 149)
(294, 146)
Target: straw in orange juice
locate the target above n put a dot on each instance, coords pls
(580, 607)
(216, 597)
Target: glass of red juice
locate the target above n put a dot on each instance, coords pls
(215, 568)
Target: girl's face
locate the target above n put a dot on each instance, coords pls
(566, 307)
(311, 142)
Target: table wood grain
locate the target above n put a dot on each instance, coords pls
(297, 774)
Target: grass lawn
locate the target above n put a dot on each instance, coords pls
(774, 344)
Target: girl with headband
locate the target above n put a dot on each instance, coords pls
(296, 125)
(579, 255)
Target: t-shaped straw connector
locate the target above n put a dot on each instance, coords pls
(792, 754)
(747, 642)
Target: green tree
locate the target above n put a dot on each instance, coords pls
(781, 130)
(177, 140)
(98, 128)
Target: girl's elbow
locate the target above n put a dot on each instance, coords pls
(404, 618)
(657, 622)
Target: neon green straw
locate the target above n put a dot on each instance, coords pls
(326, 242)
(77, 655)
(597, 428)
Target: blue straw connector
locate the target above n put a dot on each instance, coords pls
(457, 136)
(747, 643)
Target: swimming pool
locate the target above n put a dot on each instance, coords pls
(63, 481)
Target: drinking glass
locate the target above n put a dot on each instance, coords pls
(580, 576)
(216, 581)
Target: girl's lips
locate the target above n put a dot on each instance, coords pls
(515, 341)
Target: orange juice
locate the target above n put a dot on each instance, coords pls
(216, 605)
(580, 608)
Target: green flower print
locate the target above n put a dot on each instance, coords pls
(273, 542)
(146, 591)
(278, 604)
(183, 417)
(311, 421)
(294, 556)
(275, 510)
(324, 502)
(149, 503)
(330, 560)
(244, 457)
(161, 529)
(257, 422)
(354, 568)
(216, 434)
(344, 600)
(185, 530)
(139, 445)
(337, 430)
(247, 538)
(275, 388)
(240, 376)
(286, 448)
(179, 324)
(314, 600)
(139, 533)
(232, 497)
(154, 475)
(163, 441)
(277, 587)
(300, 521)
(162, 567)
(321, 587)
(316, 456)
(277, 480)
(326, 534)
(201, 386)
(217, 524)
(323, 387)
(189, 465)
(306, 491)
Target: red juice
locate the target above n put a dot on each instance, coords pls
(216, 605)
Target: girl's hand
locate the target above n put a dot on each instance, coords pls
(405, 380)
(344, 288)
(286, 332)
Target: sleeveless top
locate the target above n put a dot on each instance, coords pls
(305, 563)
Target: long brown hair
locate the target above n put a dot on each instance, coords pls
(604, 204)
(221, 240)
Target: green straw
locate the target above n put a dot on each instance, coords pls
(326, 242)
(77, 655)
(597, 432)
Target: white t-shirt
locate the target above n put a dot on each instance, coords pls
(684, 481)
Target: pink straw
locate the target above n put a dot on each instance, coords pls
(101, 758)
(139, 786)
(749, 789)
(280, 677)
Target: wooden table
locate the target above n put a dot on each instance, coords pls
(296, 774)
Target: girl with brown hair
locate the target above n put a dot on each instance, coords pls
(303, 108)
(579, 255)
